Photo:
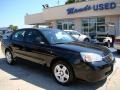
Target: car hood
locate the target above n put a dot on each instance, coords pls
(84, 47)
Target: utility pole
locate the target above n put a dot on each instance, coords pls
(58, 2)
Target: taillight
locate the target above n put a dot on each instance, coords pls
(117, 40)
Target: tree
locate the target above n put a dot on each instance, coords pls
(36, 26)
(70, 1)
(15, 28)
(12, 27)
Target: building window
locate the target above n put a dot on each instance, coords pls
(93, 25)
(66, 25)
(100, 24)
(59, 25)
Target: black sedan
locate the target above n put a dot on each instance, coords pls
(67, 58)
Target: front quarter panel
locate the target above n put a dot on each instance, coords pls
(68, 55)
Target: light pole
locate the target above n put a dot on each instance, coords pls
(58, 2)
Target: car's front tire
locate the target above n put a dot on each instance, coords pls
(9, 57)
(62, 72)
(108, 44)
(86, 40)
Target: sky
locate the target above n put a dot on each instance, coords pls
(13, 11)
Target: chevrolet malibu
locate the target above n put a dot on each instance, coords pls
(67, 58)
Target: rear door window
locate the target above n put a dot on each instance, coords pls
(19, 36)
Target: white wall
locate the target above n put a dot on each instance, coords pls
(60, 12)
(34, 19)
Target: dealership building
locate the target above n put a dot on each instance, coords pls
(87, 16)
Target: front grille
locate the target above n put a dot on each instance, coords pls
(109, 58)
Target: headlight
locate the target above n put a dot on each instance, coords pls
(91, 57)
(111, 56)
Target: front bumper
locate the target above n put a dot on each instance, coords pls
(85, 72)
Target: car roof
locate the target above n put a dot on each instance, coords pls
(38, 29)
(69, 30)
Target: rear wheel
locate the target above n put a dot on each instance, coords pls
(9, 57)
(62, 72)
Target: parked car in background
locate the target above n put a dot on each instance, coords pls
(102, 40)
(117, 43)
(67, 58)
(7, 34)
(106, 40)
(78, 35)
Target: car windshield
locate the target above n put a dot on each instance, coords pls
(57, 36)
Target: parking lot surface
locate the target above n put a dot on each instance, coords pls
(25, 75)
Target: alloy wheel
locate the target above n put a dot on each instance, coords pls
(9, 57)
(61, 73)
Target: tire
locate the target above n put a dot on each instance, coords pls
(9, 57)
(63, 73)
(108, 44)
(118, 51)
(86, 40)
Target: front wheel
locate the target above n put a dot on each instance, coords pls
(9, 57)
(86, 40)
(108, 44)
(62, 72)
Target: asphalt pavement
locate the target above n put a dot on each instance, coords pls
(25, 75)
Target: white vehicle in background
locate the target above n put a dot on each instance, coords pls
(117, 43)
(78, 35)
(106, 40)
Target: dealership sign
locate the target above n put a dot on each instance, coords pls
(97, 7)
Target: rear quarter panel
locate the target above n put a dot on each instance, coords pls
(5, 43)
